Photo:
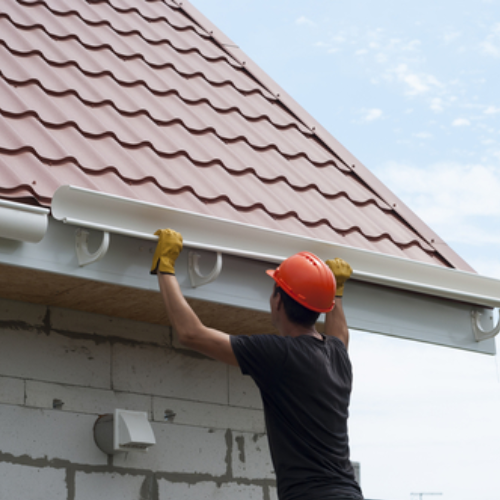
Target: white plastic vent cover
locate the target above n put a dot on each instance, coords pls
(124, 430)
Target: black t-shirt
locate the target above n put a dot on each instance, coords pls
(305, 384)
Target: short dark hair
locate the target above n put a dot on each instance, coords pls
(296, 312)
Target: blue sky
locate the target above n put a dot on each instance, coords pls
(411, 89)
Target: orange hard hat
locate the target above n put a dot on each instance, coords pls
(308, 280)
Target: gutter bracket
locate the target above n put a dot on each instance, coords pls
(195, 276)
(479, 333)
(82, 249)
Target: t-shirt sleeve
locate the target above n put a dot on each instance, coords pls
(260, 356)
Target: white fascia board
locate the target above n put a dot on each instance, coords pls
(244, 283)
(22, 222)
(119, 215)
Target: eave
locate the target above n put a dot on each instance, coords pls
(387, 295)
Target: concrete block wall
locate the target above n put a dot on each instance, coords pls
(61, 369)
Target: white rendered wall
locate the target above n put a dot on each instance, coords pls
(213, 447)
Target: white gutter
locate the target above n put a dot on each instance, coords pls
(115, 214)
(22, 222)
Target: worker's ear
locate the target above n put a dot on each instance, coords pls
(279, 301)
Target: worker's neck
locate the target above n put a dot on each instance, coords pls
(289, 329)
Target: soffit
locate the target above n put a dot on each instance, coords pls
(138, 100)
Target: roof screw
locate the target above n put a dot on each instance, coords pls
(353, 166)
(169, 415)
(57, 404)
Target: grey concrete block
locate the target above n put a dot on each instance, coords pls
(108, 486)
(273, 493)
(54, 358)
(11, 391)
(33, 483)
(108, 326)
(251, 457)
(31, 314)
(48, 435)
(181, 449)
(208, 415)
(169, 373)
(242, 390)
(209, 491)
(81, 399)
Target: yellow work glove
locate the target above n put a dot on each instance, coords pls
(167, 250)
(342, 272)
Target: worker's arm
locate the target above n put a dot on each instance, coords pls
(335, 322)
(192, 333)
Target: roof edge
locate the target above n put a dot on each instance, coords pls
(115, 214)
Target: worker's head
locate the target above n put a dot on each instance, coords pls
(295, 312)
(306, 280)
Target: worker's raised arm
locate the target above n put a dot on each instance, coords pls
(191, 331)
(335, 322)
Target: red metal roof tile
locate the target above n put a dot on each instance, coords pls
(135, 98)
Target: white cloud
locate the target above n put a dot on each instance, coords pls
(437, 105)
(451, 36)
(460, 201)
(371, 115)
(491, 110)
(411, 46)
(491, 45)
(416, 83)
(488, 267)
(381, 57)
(460, 122)
(423, 135)
(490, 48)
(304, 21)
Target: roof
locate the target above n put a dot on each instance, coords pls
(148, 100)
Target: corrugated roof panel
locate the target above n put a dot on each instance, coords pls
(110, 54)
(136, 99)
(70, 78)
(25, 166)
(123, 153)
(66, 19)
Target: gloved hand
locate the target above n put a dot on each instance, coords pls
(342, 272)
(167, 250)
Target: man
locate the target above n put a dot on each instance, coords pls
(304, 377)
